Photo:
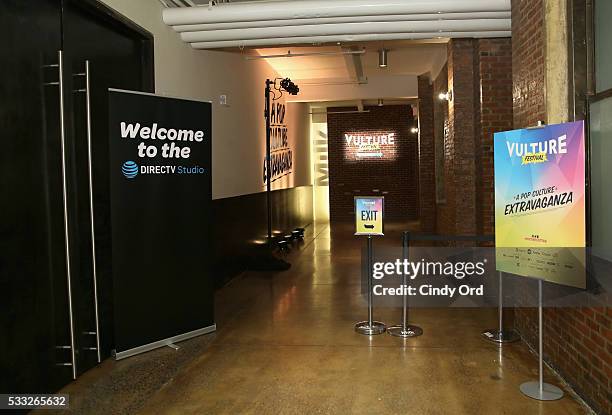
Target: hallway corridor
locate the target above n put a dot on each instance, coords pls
(285, 345)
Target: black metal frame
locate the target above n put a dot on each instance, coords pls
(268, 175)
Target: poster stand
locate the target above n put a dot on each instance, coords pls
(405, 330)
(499, 335)
(370, 327)
(538, 389)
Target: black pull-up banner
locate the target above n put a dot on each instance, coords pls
(161, 192)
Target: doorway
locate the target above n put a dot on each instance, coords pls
(59, 76)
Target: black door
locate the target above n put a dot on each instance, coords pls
(34, 318)
(102, 51)
(46, 249)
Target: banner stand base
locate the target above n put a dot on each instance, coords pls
(169, 342)
(544, 392)
(364, 327)
(405, 332)
(501, 337)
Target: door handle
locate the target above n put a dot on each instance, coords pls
(87, 91)
(60, 84)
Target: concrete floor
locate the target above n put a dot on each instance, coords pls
(285, 345)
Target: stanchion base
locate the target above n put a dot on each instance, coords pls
(408, 331)
(548, 393)
(364, 327)
(500, 337)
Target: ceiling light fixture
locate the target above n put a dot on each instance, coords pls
(381, 102)
(288, 85)
(414, 130)
(382, 58)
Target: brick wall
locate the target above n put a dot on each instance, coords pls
(577, 341)
(396, 179)
(528, 62)
(460, 148)
(444, 214)
(479, 74)
(495, 67)
(427, 186)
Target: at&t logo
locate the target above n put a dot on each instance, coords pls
(129, 169)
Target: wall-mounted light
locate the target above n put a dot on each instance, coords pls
(446, 96)
(382, 57)
(381, 102)
(414, 130)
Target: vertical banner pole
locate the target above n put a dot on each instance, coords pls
(370, 299)
(405, 304)
(268, 162)
(540, 347)
(405, 330)
(370, 327)
(500, 310)
(538, 389)
(499, 335)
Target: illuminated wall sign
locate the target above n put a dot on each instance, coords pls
(281, 155)
(360, 146)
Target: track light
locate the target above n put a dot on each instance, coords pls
(382, 58)
(287, 85)
(381, 102)
(446, 96)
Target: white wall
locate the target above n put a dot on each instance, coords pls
(238, 129)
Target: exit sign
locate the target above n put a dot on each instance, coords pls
(369, 211)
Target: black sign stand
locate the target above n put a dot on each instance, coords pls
(160, 205)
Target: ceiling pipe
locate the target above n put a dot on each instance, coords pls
(310, 40)
(311, 9)
(350, 29)
(296, 55)
(350, 19)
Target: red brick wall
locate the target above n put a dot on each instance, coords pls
(458, 216)
(444, 213)
(396, 179)
(577, 341)
(528, 62)
(427, 185)
(495, 67)
(479, 74)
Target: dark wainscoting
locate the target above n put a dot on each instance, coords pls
(240, 226)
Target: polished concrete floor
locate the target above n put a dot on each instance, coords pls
(285, 345)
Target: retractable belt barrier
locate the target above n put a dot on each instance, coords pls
(405, 329)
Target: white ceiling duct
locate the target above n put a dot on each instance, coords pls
(350, 19)
(431, 26)
(314, 9)
(343, 38)
(271, 23)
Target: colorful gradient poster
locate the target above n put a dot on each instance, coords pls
(540, 227)
(369, 215)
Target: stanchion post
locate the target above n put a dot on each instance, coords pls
(370, 327)
(499, 335)
(405, 330)
(538, 389)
